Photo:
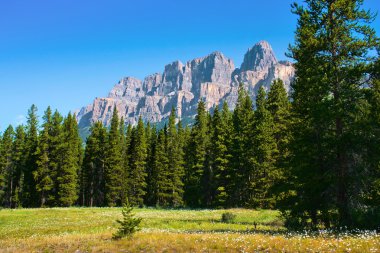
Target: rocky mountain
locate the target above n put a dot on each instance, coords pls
(212, 78)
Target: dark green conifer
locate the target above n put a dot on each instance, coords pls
(196, 159)
(331, 53)
(114, 171)
(18, 158)
(175, 160)
(93, 188)
(67, 176)
(6, 167)
(42, 175)
(137, 168)
(29, 193)
(242, 152)
(263, 174)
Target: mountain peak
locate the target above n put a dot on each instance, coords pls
(259, 57)
(212, 78)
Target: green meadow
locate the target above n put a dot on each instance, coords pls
(91, 229)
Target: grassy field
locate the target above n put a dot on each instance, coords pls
(91, 229)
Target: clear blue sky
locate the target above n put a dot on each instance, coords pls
(64, 53)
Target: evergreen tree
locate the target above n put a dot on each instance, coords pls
(42, 175)
(18, 158)
(371, 195)
(263, 174)
(93, 185)
(279, 106)
(175, 161)
(29, 193)
(6, 167)
(56, 137)
(162, 175)
(114, 164)
(331, 49)
(225, 176)
(151, 178)
(67, 176)
(241, 161)
(124, 161)
(220, 156)
(137, 168)
(196, 159)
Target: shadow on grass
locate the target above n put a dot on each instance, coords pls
(240, 231)
(275, 223)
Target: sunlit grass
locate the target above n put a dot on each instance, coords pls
(90, 230)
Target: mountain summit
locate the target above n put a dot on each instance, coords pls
(212, 78)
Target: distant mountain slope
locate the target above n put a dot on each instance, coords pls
(212, 78)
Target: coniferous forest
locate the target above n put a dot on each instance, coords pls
(314, 154)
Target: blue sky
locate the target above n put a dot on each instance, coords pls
(64, 53)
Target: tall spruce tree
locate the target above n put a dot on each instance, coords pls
(114, 164)
(29, 193)
(371, 196)
(162, 174)
(42, 175)
(333, 39)
(151, 177)
(175, 161)
(225, 185)
(137, 168)
(70, 162)
(18, 158)
(241, 161)
(93, 183)
(279, 106)
(124, 161)
(196, 159)
(6, 167)
(263, 174)
(219, 159)
(56, 136)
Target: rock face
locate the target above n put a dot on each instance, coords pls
(212, 78)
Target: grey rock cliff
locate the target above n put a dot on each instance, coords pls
(212, 78)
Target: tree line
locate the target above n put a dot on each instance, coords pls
(225, 159)
(314, 155)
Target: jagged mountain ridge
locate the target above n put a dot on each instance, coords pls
(212, 78)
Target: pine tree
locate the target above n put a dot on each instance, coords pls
(151, 179)
(57, 140)
(128, 225)
(331, 48)
(279, 106)
(29, 193)
(42, 175)
(137, 171)
(114, 164)
(18, 158)
(242, 149)
(225, 176)
(70, 162)
(220, 156)
(175, 160)
(6, 167)
(93, 185)
(162, 177)
(371, 196)
(124, 162)
(196, 159)
(265, 150)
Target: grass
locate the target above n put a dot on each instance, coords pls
(91, 229)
